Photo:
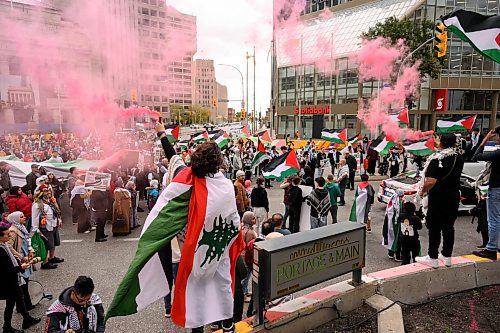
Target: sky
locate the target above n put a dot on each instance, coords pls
(227, 29)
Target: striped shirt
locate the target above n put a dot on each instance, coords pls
(343, 172)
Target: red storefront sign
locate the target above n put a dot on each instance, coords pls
(440, 102)
(313, 110)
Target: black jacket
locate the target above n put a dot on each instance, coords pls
(31, 183)
(9, 285)
(494, 158)
(352, 163)
(295, 197)
(258, 198)
(64, 309)
(99, 201)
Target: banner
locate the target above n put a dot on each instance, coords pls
(97, 181)
(440, 102)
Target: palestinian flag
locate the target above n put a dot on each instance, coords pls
(401, 116)
(355, 140)
(200, 137)
(391, 232)
(281, 167)
(480, 31)
(172, 132)
(421, 147)
(361, 205)
(455, 124)
(264, 136)
(212, 245)
(245, 131)
(211, 134)
(183, 144)
(221, 138)
(382, 144)
(260, 156)
(335, 136)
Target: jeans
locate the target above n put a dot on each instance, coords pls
(493, 207)
(317, 222)
(168, 299)
(333, 212)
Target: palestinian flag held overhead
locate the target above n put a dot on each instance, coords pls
(221, 138)
(260, 156)
(382, 144)
(355, 140)
(281, 167)
(421, 147)
(401, 116)
(172, 132)
(264, 136)
(183, 144)
(480, 31)
(336, 136)
(212, 245)
(455, 124)
(200, 137)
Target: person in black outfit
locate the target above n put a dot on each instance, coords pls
(409, 226)
(99, 211)
(30, 186)
(295, 202)
(372, 161)
(10, 289)
(442, 183)
(353, 165)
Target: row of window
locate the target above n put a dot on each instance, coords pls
(160, 3)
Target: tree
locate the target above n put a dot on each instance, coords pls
(176, 113)
(414, 33)
(200, 114)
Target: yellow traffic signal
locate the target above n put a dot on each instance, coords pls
(133, 96)
(243, 114)
(214, 101)
(441, 39)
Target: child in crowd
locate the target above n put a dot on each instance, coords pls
(364, 199)
(248, 187)
(409, 226)
(153, 193)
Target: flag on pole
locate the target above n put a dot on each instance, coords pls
(183, 144)
(264, 136)
(172, 132)
(212, 245)
(260, 156)
(420, 147)
(382, 144)
(336, 136)
(401, 116)
(355, 140)
(482, 32)
(281, 167)
(455, 124)
(200, 137)
(221, 138)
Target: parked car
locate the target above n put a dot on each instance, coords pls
(409, 182)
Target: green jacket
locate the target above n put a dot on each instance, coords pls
(334, 192)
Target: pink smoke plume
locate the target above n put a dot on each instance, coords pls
(380, 61)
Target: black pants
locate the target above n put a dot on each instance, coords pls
(294, 216)
(352, 174)
(441, 223)
(227, 326)
(333, 212)
(99, 218)
(342, 186)
(15, 298)
(267, 182)
(26, 296)
(410, 248)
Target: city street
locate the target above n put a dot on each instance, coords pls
(107, 262)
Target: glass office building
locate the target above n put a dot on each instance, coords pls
(317, 75)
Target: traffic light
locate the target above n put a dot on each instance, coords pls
(214, 101)
(133, 96)
(441, 38)
(243, 114)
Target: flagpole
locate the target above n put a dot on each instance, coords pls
(300, 89)
(331, 82)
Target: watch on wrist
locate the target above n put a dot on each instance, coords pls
(159, 134)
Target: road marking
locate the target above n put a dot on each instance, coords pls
(130, 239)
(72, 241)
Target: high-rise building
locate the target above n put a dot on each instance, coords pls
(468, 82)
(167, 45)
(231, 115)
(222, 112)
(205, 84)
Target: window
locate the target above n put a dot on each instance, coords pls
(145, 11)
(153, 13)
(161, 14)
(162, 25)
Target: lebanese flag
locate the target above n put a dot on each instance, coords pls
(335, 136)
(260, 156)
(200, 137)
(455, 124)
(401, 116)
(211, 247)
(422, 147)
(264, 136)
(172, 132)
(283, 166)
(359, 210)
(482, 32)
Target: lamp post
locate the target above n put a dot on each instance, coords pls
(242, 85)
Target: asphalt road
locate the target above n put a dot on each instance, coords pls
(107, 262)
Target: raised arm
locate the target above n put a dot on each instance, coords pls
(166, 145)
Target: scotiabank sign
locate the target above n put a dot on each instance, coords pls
(440, 102)
(313, 110)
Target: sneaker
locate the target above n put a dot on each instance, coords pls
(368, 230)
(398, 259)
(481, 247)
(49, 265)
(390, 256)
(56, 260)
(30, 321)
(167, 314)
(446, 260)
(492, 255)
(434, 263)
(100, 240)
(92, 228)
(86, 232)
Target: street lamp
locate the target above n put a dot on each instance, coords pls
(242, 85)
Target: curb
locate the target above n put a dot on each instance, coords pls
(408, 283)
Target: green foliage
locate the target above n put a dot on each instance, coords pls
(414, 33)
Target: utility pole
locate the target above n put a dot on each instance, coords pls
(254, 105)
(246, 113)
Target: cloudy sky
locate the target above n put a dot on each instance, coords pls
(227, 29)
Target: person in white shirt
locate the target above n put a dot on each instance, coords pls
(342, 179)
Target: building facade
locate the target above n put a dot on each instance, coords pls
(222, 111)
(326, 93)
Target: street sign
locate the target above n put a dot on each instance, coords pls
(288, 264)
(223, 100)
